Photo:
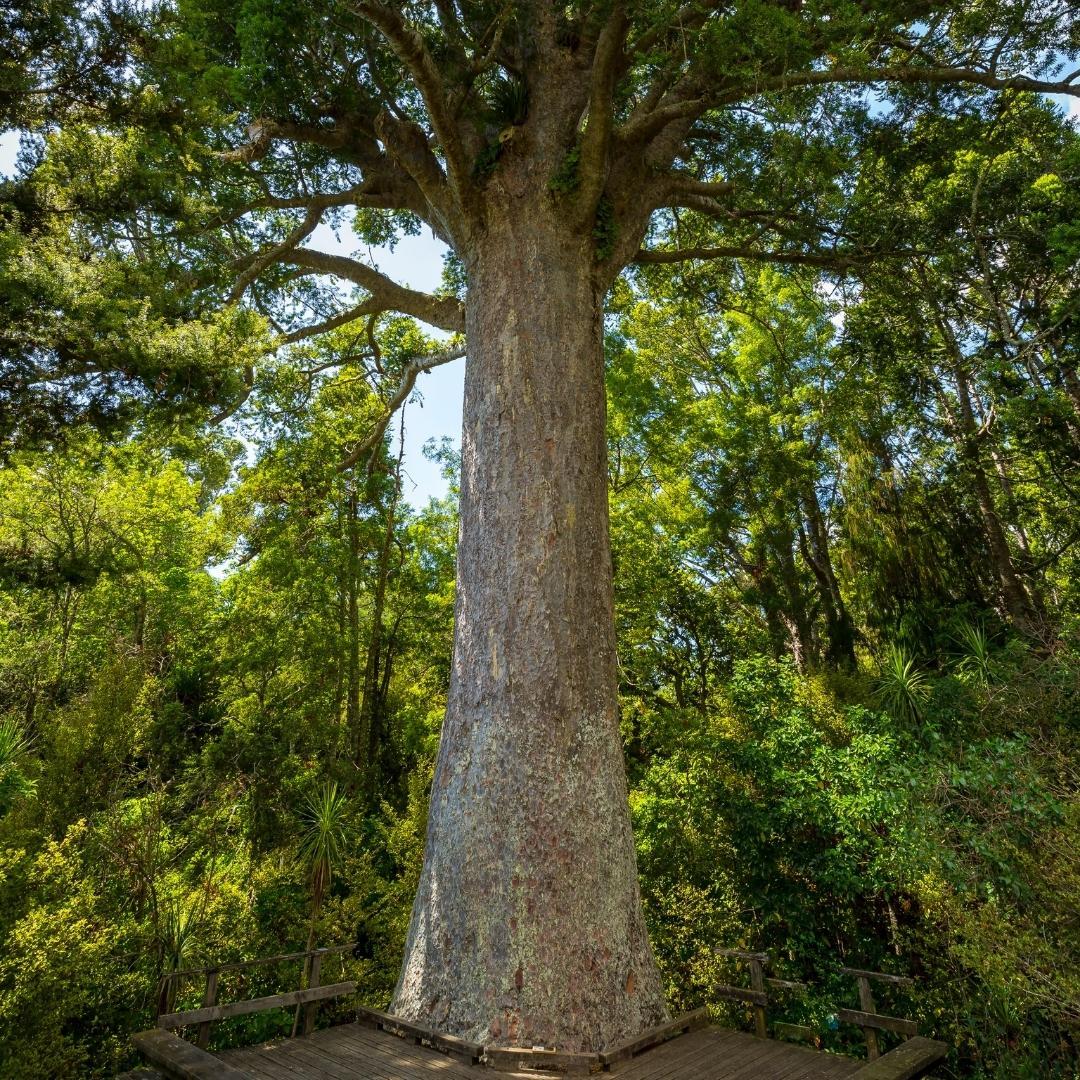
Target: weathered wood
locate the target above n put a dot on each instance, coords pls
(785, 984)
(908, 1061)
(907, 1028)
(244, 965)
(524, 1059)
(202, 1040)
(877, 976)
(654, 1036)
(739, 954)
(254, 1005)
(422, 1033)
(348, 1051)
(311, 1009)
(866, 1003)
(181, 1060)
(757, 984)
(740, 993)
(800, 1032)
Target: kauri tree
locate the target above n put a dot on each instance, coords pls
(550, 146)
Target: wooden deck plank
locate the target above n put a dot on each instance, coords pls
(351, 1051)
(662, 1060)
(339, 1063)
(908, 1061)
(404, 1058)
(268, 1067)
(719, 1054)
(685, 1056)
(340, 1058)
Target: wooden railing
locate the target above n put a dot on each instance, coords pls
(758, 997)
(180, 1058)
(867, 1017)
(306, 999)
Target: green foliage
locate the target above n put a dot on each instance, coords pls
(977, 661)
(566, 178)
(508, 102)
(901, 687)
(605, 230)
(14, 747)
(325, 834)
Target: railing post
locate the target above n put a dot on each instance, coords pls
(757, 982)
(209, 998)
(866, 1003)
(311, 1009)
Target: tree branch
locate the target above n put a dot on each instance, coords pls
(367, 308)
(839, 261)
(228, 410)
(444, 312)
(407, 143)
(596, 141)
(273, 254)
(405, 387)
(410, 49)
(263, 133)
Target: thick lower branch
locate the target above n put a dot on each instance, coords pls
(444, 312)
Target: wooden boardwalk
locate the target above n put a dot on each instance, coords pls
(355, 1052)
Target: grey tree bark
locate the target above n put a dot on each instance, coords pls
(527, 926)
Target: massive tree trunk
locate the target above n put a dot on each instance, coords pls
(527, 926)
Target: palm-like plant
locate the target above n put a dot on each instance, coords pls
(14, 745)
(326, 832)
(901, 687)
(177, 921)
(976, 661)
(322, 845)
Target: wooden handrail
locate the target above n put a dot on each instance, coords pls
(867, 1015)
(243, 965)
(177, 1058)
(878, 976)
(306, 999)
(909, 1061)
(214, 1013)
(907, 1028)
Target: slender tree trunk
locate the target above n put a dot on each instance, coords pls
(373, 700)
(1017, 601)
(340, 658)
(527, 927)
(354, 719)
(793, 611)
(838, 624)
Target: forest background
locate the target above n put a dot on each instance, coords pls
(847, 562)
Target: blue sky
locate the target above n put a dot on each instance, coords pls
(435, 408)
